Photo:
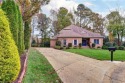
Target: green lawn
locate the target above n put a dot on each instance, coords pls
(119, 55)
(39, 69)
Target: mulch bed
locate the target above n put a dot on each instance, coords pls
(23, 60)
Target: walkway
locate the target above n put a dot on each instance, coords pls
(73, 68)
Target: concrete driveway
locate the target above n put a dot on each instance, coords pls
(74, 68)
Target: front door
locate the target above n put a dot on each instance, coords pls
(84, 42)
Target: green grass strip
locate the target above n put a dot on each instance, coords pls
(39, 70)
(119, 55)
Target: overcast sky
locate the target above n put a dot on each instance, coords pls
(100, 6)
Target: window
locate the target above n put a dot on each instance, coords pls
(75, 42)
(96, 41)
(64, 42)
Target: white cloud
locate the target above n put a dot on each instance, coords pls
(88, 4)
(56, 4)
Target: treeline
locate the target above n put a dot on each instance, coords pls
(113, 23)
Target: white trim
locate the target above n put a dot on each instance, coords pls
(77, 42)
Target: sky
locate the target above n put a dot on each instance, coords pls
(102, 7)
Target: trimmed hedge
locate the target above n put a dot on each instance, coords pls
(10, 9)
(9, 57)
(21, 46)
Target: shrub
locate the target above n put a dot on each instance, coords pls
(69, 45)
(114, 44)
(117, 47)
(58, 43)
(21, 46)
(93, 45)
(33, 42)
(121, 47)
(34, 45)
(9, 57)
(64, 47)
(45, 44)
(98, 47)
(58, 47)
(123, 44)
(109, 44)
(75, 47)
(106, 39)
(10, 9)
(104, 47)
(80, 45)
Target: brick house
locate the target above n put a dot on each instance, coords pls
(75, 35)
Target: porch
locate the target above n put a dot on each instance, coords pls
(85, 42)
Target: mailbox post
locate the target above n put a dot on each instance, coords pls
(111, 49)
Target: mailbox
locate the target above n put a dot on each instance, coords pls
(112, 49)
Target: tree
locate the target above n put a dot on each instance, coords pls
(111, 37)
(43, 26)
(115, 24)
(10, 8)
(53, 21)
(9, 57)
(63, 19)
(97, 23)
(30, 7)
(83, 13)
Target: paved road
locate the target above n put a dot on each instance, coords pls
(73, 68)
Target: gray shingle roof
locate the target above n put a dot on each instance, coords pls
(75, 31)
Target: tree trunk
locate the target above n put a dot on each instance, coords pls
(80, 19)
(118, 39)
(122, 35)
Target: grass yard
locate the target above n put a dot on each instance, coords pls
(119, 55)
(39, 69)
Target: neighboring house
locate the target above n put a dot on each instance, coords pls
(75, 35)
